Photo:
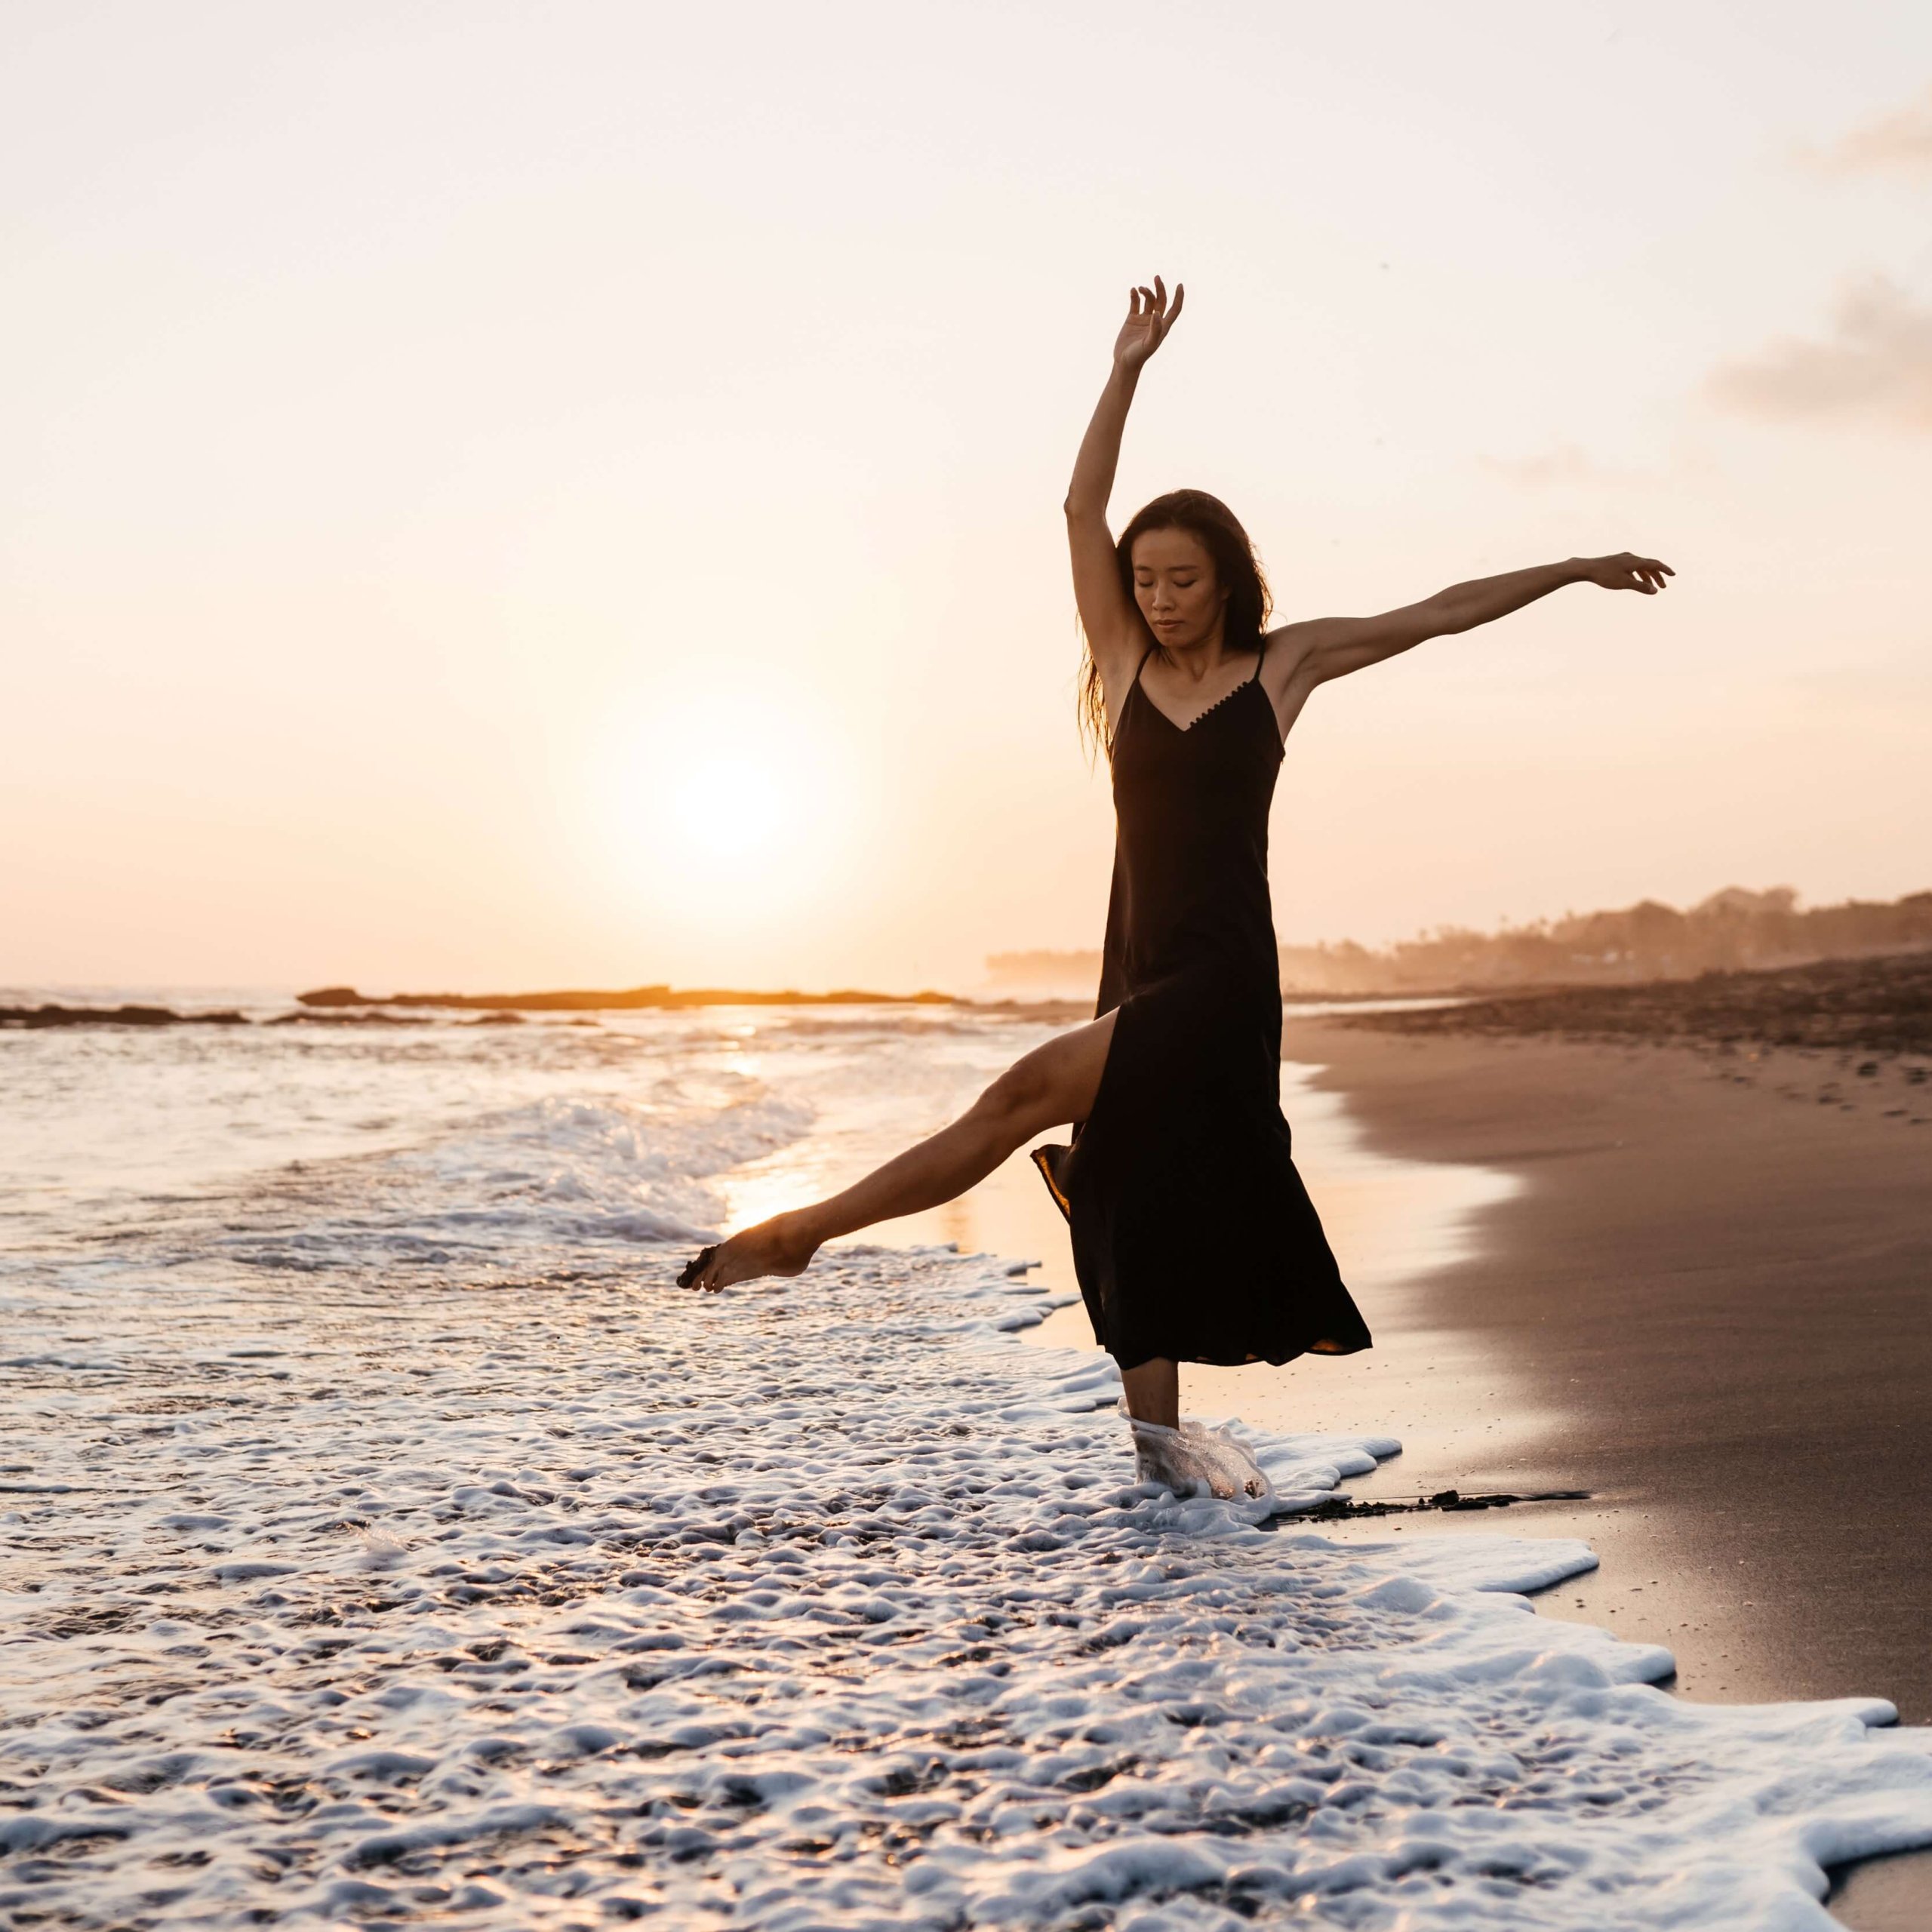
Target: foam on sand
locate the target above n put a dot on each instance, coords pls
(578, 1599)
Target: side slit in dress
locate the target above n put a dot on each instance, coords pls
(1193, 1236)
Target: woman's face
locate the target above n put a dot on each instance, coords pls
(1175, 586)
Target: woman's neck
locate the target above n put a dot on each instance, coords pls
(1197, 663)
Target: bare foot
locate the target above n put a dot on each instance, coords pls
(775, 1246)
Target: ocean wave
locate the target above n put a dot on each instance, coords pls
(542, 1184)
(826, 1605)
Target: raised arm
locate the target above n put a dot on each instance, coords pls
(1324, 648)
(1114, 632)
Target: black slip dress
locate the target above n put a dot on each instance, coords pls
(1193, 1236)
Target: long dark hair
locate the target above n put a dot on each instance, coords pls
(1237, 571)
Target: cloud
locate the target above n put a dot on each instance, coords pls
(1901, 139)
(1875, 366)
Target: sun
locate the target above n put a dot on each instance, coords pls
(727, 808)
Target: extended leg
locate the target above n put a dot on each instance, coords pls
(1050, 1086)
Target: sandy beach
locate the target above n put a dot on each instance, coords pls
(1712, 1289)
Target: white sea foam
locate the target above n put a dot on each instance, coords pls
(555, 1177)
(395, 1543)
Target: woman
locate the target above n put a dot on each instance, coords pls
(1194, 1239)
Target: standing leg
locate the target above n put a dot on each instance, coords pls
(1050, 1086)
(1153, 1391)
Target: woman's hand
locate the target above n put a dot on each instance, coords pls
(1149, 316)
(1626, 572)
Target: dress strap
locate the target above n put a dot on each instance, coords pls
(1142, 665)
(1260, 658)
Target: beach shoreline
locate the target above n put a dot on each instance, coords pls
(1713, 1259)
(1696, 1298)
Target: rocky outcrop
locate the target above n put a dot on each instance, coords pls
(633, 999)
(1880, 1006)
(18, 1017)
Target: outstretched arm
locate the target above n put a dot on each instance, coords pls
(1326, 648)
(1107, 614)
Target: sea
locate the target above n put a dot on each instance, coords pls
(386, 1540)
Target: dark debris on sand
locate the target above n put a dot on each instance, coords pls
(1881, 1005)
(1331, 1507)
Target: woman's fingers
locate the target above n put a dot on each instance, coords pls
(1180, 296)
(1152, 308)
(1628, 571)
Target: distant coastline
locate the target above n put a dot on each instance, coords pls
(1880, 1005)
(1739, 966)
(1734, 931)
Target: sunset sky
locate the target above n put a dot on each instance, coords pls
(531, 495)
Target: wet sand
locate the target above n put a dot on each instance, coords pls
(1713, 1288)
